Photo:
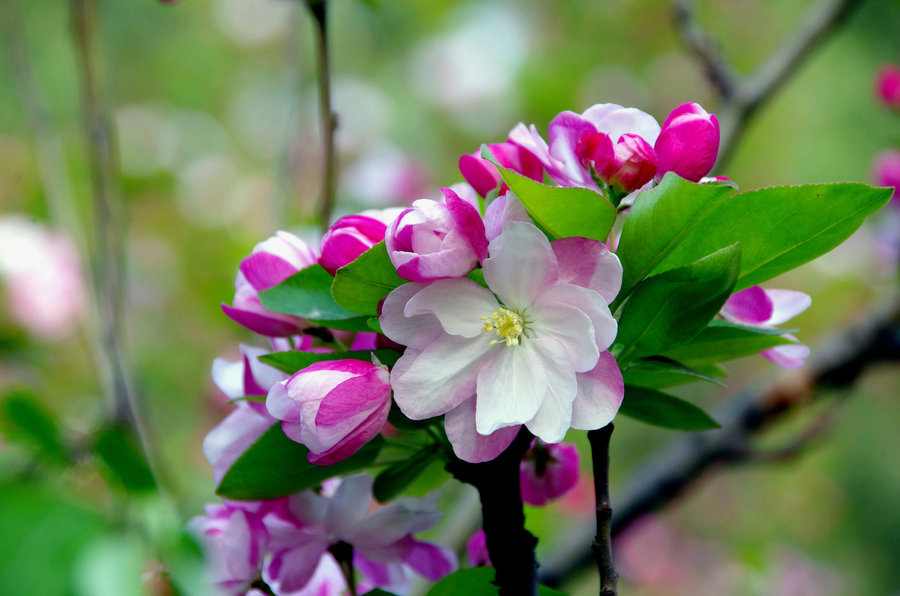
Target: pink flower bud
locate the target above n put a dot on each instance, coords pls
(548, 471)
(627, 165)
(484, 177)
(349, 237)
(333, 407)
(886, 171)
(270, 263)
(887, 85)
(437, 240)
(477, 552)
(688, 143)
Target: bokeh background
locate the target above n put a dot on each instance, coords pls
(214, 105)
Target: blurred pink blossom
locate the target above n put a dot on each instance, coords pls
(476, 550)
(548, 471)
(41, 272)
(886, 171)
(887, 86)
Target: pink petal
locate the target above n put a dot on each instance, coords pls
(479, 172)
(263, 270)
(431, 561)
(588, 263)
(564, 132)
(265, 323)
(415, 331)
(521, 264)
(600, 393)
(788, 356)
(501, 210)
(752, 306)
(468, 222)
(468, 444)
(616, 121)
(233, 436)
(349, 505)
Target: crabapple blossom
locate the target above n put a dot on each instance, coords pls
(548, 471)
(384, 547)
(483, 175)
(352, 235)
(688, 143)
(626, 165)
(886, 171)
(887, 85)
(333, 407)
(437, 240)
(530, 350)
(757, 307)
(271, 262)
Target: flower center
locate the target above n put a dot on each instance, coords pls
(509, 326)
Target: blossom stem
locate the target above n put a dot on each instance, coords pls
(343, 554)
(319, 11)
(602, 545)
(510, 545)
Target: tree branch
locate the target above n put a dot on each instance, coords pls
(678, 467)
(319, 11)
(741, 96)
(602, 545)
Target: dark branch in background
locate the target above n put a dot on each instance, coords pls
(107, 252)
(740, 96)
(602, 545)
(510, 546)
(319, 11)
(677, 468)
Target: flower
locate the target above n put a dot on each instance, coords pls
(271, 262)
(548, 471)
(886, 171)
(477, 552)
(626, 165)
(383, 543)
(436, 240)
(887, 86)
(688, 143)
(352, 235)
(249, 420)
(529, 350)
(333, 407)
(757, 307)
(483, 175)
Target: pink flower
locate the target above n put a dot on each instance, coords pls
(477, 552)
(886, 171)
(437, 240)
(333, 407)
(249, 420)
(235, 541)
(41, 272)
(383, 543)
(626, 165)
(548, 471)
(561, 157)
(484, 177)
(757, 307)
(270, 263)
(688, 143)
(352, 235)
(887, 85)
(531, 350)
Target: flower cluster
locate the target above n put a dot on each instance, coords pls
(452, 327)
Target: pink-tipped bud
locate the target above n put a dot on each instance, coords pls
(349, 237)
(484, 177)
(887, 85)
(688, 143)
(627, 165)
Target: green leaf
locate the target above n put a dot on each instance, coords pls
(361, 285)
(275, 466)
(26, 419)
(723, 341)
(660, 219)
(394, 479)
(471, 582)
(291, 362)
(561, 212)
(360, 323)
(661, 409)
(305, 294)
(781, 228)
(119, 449)
(670, 309)
(657, 372)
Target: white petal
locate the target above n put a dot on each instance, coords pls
(554, 417)
(521, 264)
(572, 332)
(468, 443)
(590, 303)
(349, 505)
(458, 305)
(588, 263)
(229, 377)
(600, 394)
(616, 121)
(786, 304)
(510, 389)
(417, 331)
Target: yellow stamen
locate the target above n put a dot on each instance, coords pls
(508, 325)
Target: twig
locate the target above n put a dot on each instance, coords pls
(602, 545)
(107, 254)
(741, 96)
(680, 466)
(319, 11)
(509, 544)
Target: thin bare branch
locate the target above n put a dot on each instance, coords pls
(319, 11)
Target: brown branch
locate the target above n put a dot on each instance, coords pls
(602, 545)
(319, 11)
(680, 466)
(741, 96)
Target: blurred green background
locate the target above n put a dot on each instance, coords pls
(214, 103)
